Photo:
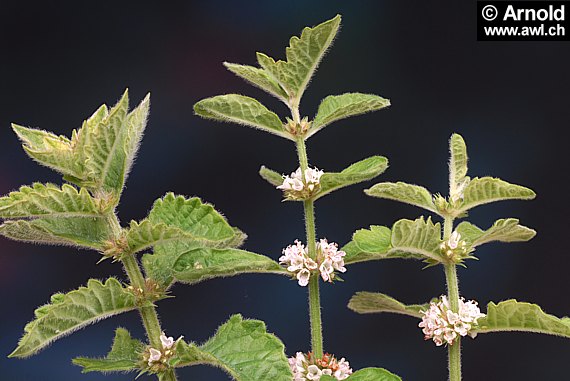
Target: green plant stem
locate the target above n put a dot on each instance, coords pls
(148, 312)
(453, 351)
(314, 296)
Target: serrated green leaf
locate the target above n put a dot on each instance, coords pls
(72, 311)
(241, 110)
(271, 176)
(363, 170)
(71, 231)
(368, 374)
(123, 357)
(368, 245)
(259, 78)
(242, 348)
(512, 315)
(503, 230)
(337, 107)
(99, 155)
(457, 163)
(303, 56)
(485, 190)
(403, 192)
(136, 124)
(55, 152)
(194, 217)
(49, 200)
(146, 234)
(416, 239)
(49, 214)
(373, 302)
(105, 149)
(204, 263)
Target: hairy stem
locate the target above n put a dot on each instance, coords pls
(453, 351)
(148, 313)
(314, 297)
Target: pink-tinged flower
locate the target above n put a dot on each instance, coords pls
(330, 258)
(303, 277)
(297, 261)
(309, 368)
(167, 342)
(443, 326)
(154, 356)
(297, 187)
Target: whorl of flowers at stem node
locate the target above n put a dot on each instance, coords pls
(308, 367)
(328, 260)
(443, 326)
(298, 129)
(455, 249)
(156, 359)
(299, 186)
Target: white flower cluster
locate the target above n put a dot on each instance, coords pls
(297, 260)
(442, 325)
(329, 260)
(310, 368)
(158, 357)
(297, 189)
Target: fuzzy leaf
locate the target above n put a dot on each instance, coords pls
(49, 214)
(457, 163)
(271, 176)
(99, 155)
(242, 348)
(259, 78)
(204, 263)
(194, 217)
(363, 170)
(72, 311)
(241, 110)
(303, 56)
(70, 231)
(503, 230)
(337, 107)
(373, 302)
(416, 239)
(123, 357)
(368, 245)
(136, 124)
(55, 152)
(512, 315)
(49, 200)
(105, 149)
(145, 234)
(368, 374)
(403, 192)
(485, 190)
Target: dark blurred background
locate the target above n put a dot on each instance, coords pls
(61, 60)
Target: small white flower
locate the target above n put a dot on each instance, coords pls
(331, 259)
(314, 373)
(303, 277)
(443, 326)
(295, 187)
(454, 240)
(167, 342)
(154, 355)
